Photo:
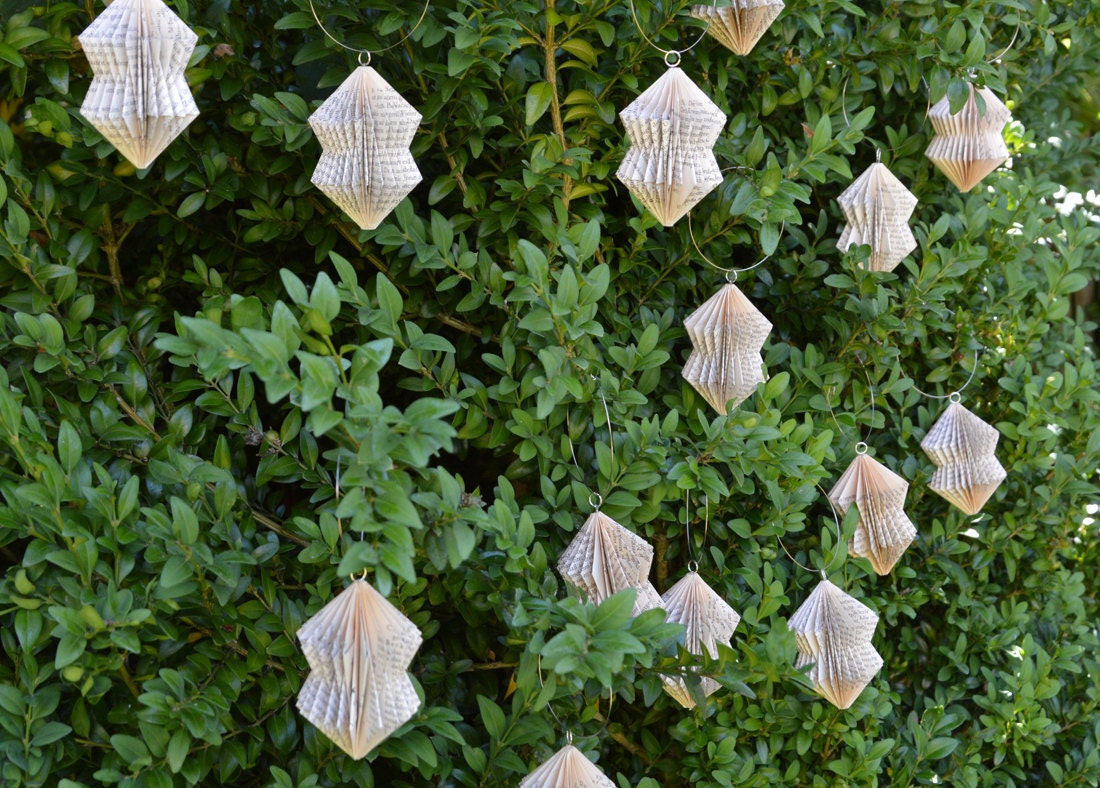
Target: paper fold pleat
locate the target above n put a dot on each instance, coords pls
(878, 206)
(884, 531)
(567, 768)
(707, 619)
(605, 558)
(962, 446)
(739, 25)
(968, 145)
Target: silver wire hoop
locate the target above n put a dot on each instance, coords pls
(956, 395)
(799, 564)
(693, 560)
(878, 150)
(732, 272)
(368, 52)
(871, 426)
(677, 53)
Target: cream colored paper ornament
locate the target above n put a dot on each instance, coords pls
(138, 99)
(672, 128)
(962, 447)
(567, 768)
(833, 632)
(708, 620)
(605, 558)
(968, 145)
(739, 25)
(358, 647)
(884, 531)
(878, 206)
(727, 332)
(365, 129)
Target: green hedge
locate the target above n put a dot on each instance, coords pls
(218, 399)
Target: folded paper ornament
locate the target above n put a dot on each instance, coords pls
(138, 99)
(969, 145)
(567, 768)
(358, 647)
(672, 128)
(962, 447)
(883, 531)
(727, 333)
(833, 632)
(708, 620)
(365, 129)
(878, 206)
(605, 558)
(739, 25)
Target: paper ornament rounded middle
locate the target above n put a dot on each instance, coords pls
(884, 531)
(878, 206)
(969, 145)
(672, 128)
(707, 619)
(962, 447)
(365, 129)
(139, 100)
(567, 768)
(605, 558)
(728, 333)
(358, 647)
(833, 632)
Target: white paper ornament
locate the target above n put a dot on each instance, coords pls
(739, 25)
(708, 620)
(884, 531)
(878, 206)
(567, 768)
(138, 99)
(672, 128)
(727, 332)
(358, 647)
(968, 145)
(365, 129)
(962, 447)
(833, 632)
(605, 558)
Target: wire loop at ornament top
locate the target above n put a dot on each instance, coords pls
(731, 273)
(800, 565)
(693, 561)
(676, 53)
(956, 395)
(367, 52)
(848, 123)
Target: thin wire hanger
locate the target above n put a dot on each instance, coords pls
(830, 562)
(731, 273)
(861, 445)
(673, 57)
(956, 395)
(693, 561)
(568, 732)
(361, 52)
(878, 149)
(595, 498)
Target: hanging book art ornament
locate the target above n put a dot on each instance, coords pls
(708, 620)
(833, 632)
(727, 333)
(365, 129)
(884, 531)
(605, 558)
(739, 25)
(138, 99)
(567, 768)
(358, 647)
(969, 144)
(878, 206)
(672, 128)
(962, 447)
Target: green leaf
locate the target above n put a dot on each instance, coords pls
(69, 446)
(539, 96)
(492, 718)
(191, 204)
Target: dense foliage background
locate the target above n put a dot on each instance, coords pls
(219, 398)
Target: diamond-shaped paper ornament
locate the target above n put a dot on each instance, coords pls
(567, 768)
(138, 99)
(833, 632)
(739, 25)
(727, 333)
(672, 128)
(884, 531)
(878, 206)
(962, 447)
(968, 145)
(708, 620)
(358, 647)
(605, 558)
(365, 129)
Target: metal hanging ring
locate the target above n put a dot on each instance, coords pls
(367, 52)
